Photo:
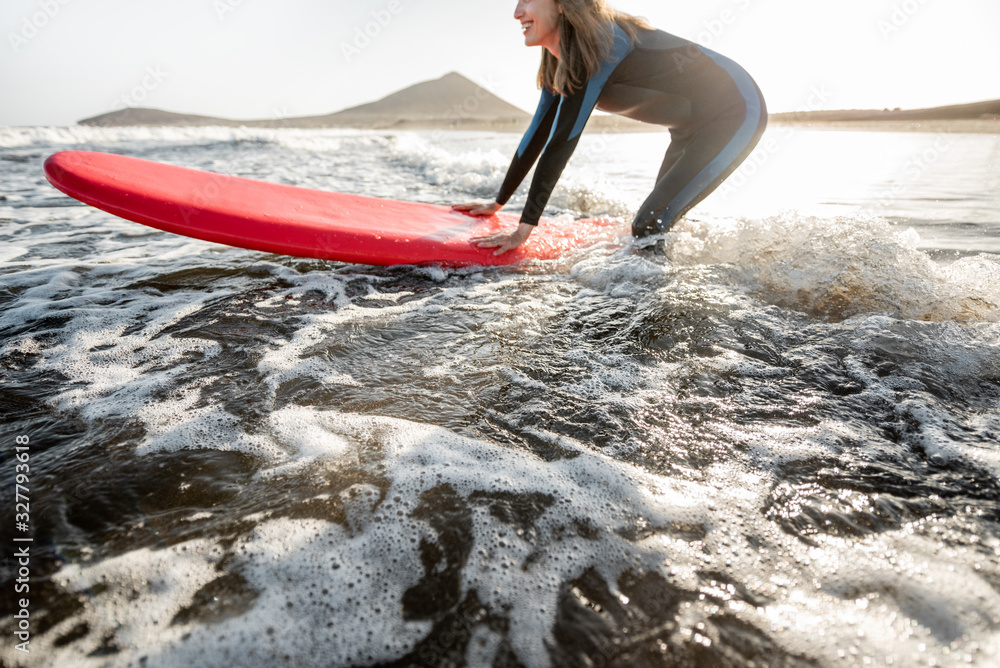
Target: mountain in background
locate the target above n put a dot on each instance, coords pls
(451, 101)
(989, 110)
(452, 97)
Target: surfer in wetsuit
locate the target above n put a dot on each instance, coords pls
(595, 56)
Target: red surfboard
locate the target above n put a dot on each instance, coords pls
(289, 220)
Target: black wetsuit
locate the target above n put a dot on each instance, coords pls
(715, 112)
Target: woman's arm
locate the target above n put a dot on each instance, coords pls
(530, 148)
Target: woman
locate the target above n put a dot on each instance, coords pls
(596, 56)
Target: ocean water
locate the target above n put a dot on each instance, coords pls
(778, 444)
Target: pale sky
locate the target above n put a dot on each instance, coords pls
(64, 60)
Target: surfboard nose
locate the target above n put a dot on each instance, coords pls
(61, 167)
(54, 167)
(87, 176)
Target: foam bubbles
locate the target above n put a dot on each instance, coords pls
(341, 584)
(40, 136)
(129, 601)
(840, 267)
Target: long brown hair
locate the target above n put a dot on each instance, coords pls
(586, 32)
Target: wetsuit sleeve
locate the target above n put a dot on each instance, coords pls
(531, 146)
(562, 119)
(556, 154)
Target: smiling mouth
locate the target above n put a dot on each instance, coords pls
(525, 27)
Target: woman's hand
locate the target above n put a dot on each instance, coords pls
(477, 208)
(505, 241)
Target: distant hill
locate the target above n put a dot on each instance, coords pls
(451, 101)
(143, 116)
(989, 110)
(452, 97)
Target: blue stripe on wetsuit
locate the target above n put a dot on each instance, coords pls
(548, 99)
(736, 145)
(621, 47)
(564, 125)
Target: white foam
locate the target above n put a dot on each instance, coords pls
(105, 362)
(132, 597)
(12, 252)
(588, 199)
(306, 436)
(178, 423)
(843, 266)
(336, 606)
(341, 585)
(54, 136)
(624, 273)
(589, 487)
(892, 597)
(475, 171)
